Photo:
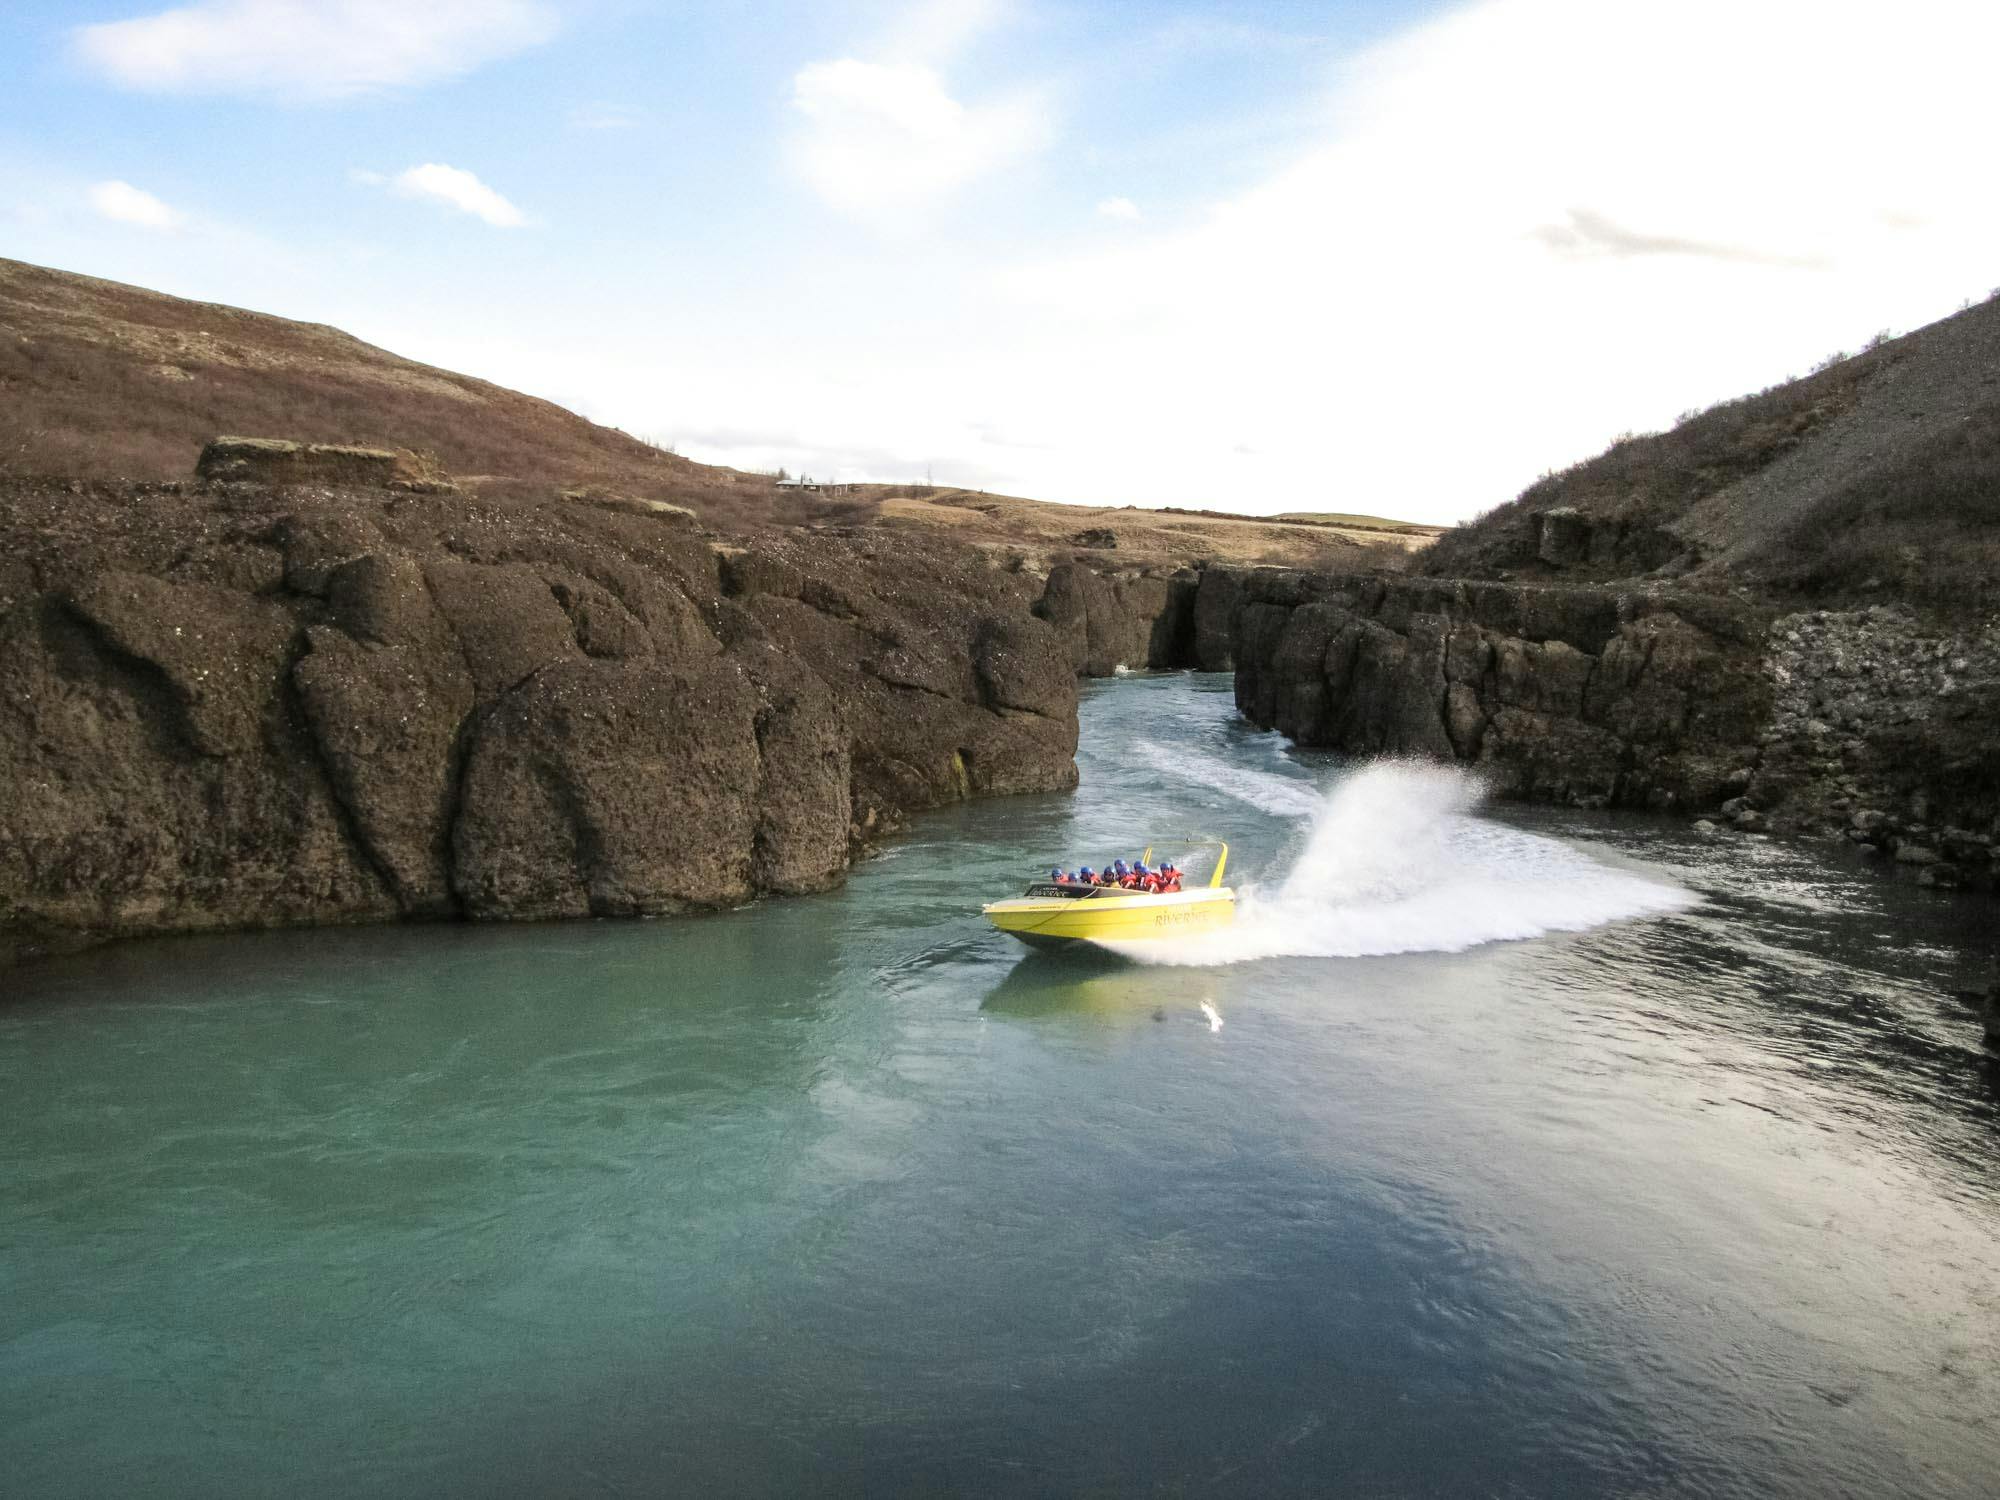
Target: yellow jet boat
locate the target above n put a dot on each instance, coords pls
(1050, 915)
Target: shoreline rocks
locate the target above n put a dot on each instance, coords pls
(1584, 696)
(1882, 733)
(241, 706)
(1862, 724)
(1112, 620)
(234, 705)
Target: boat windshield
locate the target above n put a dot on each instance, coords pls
(1072, 892)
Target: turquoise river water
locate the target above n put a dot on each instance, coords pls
(1494, 1153)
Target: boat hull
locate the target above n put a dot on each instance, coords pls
(1059, 922)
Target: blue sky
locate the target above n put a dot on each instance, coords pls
(1380, 256)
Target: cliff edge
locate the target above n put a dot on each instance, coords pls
(248, 705)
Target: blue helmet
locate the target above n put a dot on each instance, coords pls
(1086, 872)
(1118, 865)
(1056, 873)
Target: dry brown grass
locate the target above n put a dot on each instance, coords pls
(1039, 531)
(101, 381)
(1924, 526)
(924, 512)
(1654, 479)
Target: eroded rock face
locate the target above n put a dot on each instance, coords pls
(612, 789)
(1866, 724)
(1574, 695)
(950, 687)
(150, 771)
(1882, 729)
(386, 692)
(237, 707)
(274, 461)
(1112, 620)
(1218, 606)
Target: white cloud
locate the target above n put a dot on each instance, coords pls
(1122, 209)
(453, 186)
(1535, 224)
(125, 204)
(883, 137)
(882, 140)
(309, 49)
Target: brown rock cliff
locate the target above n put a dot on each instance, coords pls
(247, 705)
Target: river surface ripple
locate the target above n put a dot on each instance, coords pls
(1690, 1185)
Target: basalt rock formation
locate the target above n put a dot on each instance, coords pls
(1866, 723)
(1583, 696)
(243, 705)
(1111, 620)
(1882, 730)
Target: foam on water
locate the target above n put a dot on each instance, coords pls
(1397, 862)
(1282, 796)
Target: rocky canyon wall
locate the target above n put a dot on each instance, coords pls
(1575, 695)
(1113, 619)
(1862, 723)
(239, 706)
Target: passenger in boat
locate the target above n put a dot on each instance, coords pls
(1059, 875)
(1170, 878)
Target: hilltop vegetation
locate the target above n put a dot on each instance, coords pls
(102, 381)
(1875, 478)
(1127, 536)
(105, 382)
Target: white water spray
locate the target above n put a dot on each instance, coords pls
(1396, 862)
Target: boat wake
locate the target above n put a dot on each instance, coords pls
(1267, 792)
(1396, 861)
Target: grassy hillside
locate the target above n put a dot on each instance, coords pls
(1878, 476)
(101, 381)
(1350, 521)
(1128, 536)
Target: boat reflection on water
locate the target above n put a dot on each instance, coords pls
(1085, 981)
